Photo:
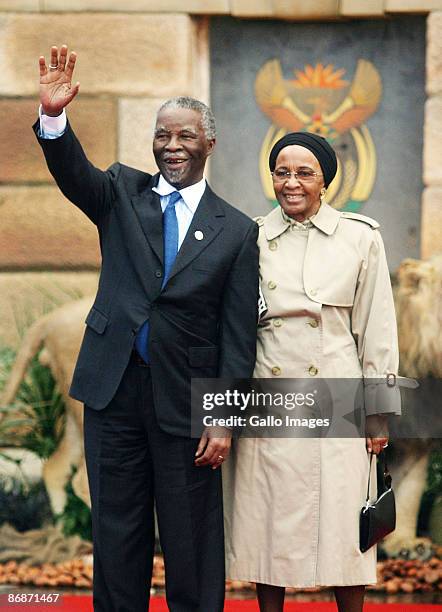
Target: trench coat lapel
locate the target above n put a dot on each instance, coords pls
(207, 221)
(147, 207)
(326, 219)
(274, 224)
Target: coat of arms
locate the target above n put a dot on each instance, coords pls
(319, 100)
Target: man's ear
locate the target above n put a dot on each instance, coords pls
(210, 146)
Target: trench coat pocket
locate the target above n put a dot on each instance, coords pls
(338, 290)
(201, 356)
(97, 320)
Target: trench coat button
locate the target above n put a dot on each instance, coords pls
(313, 323)
(158, 273)
(277, 322)
(271, 285)
(313, 292)
(313, 371)
(276, 371)
(273, 245)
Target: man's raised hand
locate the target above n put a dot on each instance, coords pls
(56, 90)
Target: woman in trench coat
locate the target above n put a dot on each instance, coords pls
(292, 505)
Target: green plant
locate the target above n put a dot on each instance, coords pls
(36, 420)
(7, 356)
(434, 480)
(76, 516)
(434, 487)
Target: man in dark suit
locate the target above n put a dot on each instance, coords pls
(177, 299)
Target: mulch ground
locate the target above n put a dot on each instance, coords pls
(394, 576)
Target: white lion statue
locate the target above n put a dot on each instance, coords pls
(59, 335)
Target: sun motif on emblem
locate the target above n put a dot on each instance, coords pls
(320, 100)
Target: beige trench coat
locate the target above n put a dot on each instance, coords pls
(292, 505)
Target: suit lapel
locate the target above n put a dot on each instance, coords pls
(147, 207)
(207, 222)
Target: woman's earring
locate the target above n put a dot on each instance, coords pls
(322, 194)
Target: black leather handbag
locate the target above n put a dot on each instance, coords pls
(378, 518)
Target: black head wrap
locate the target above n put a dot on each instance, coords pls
(314, 143)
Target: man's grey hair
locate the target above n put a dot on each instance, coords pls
(207, 118)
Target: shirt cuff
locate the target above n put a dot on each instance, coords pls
(52, 127)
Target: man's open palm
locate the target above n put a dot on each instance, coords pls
(56, 90)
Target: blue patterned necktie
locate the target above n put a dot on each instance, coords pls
(170, 235)
(170, 239)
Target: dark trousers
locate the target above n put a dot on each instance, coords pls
(131, 465)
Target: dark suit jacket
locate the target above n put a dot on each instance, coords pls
(202, 324)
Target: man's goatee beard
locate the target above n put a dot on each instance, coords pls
(174, 176)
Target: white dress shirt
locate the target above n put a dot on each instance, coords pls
(185, 207)
(54, 127)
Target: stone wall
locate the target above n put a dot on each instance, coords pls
(127, 65)
(133, 54)
(282, 9)
(432, 196)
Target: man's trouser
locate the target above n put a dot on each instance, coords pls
(132, 464)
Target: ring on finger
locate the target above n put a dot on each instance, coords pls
(385, 445)
(53, 67)
(220, 458)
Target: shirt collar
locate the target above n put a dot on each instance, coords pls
(326, 220)
(191, 195)
(306, 224)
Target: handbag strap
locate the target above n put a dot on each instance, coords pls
(387, 475)
(369, 476)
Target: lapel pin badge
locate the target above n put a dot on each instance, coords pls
(199, 235)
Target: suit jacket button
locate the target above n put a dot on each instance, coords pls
(158, 273)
